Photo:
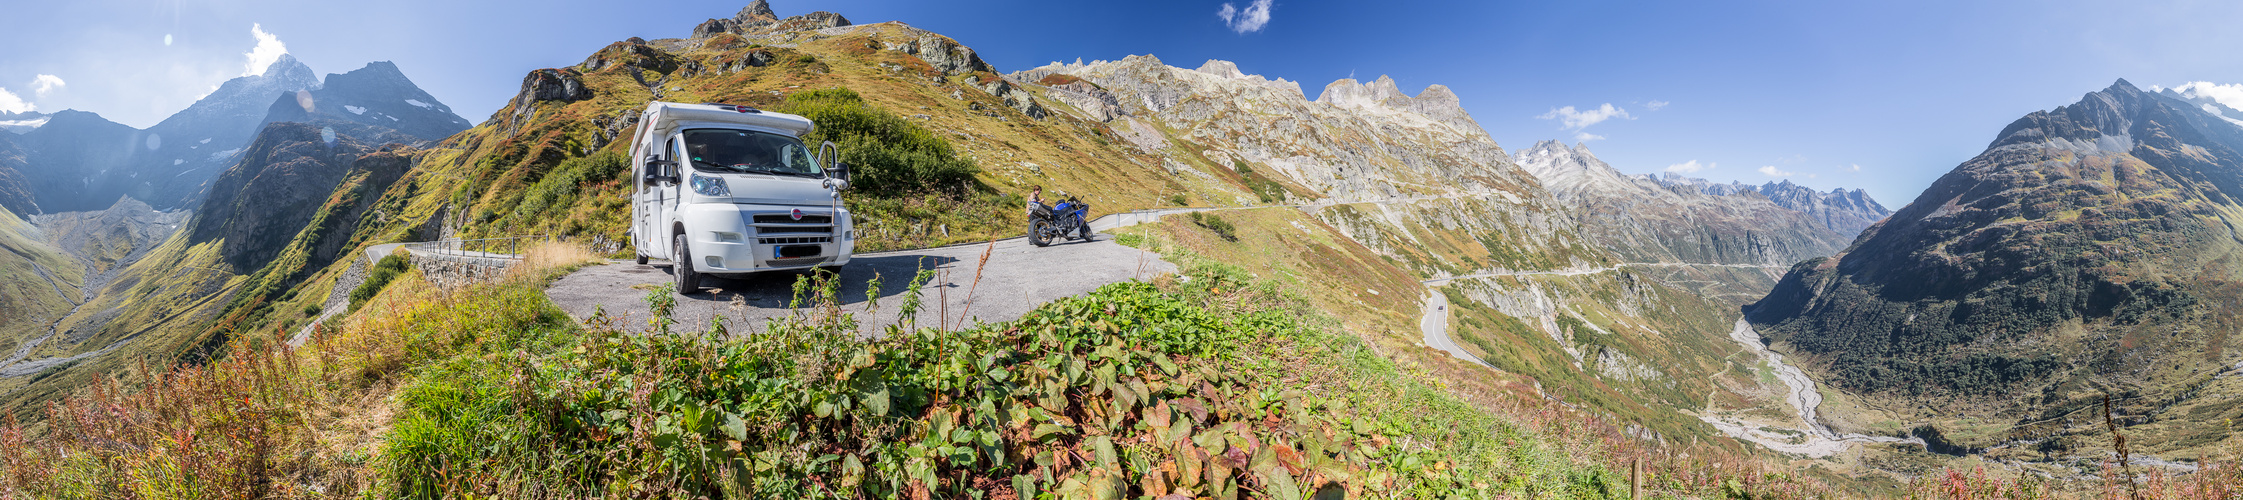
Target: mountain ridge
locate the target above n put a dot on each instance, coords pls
(2022, 283)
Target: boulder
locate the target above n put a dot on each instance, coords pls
(943, 53)
(712, 27)
(553, 85)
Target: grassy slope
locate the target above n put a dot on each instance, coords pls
(32, 298)
(500, 161)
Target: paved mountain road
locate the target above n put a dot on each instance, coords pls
(1017, 278)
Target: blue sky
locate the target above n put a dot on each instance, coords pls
(1881, 95)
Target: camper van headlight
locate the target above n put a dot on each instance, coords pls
(710, 186)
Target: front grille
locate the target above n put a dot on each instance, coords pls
(789, 241)
(793, 228)
(782, 223)
(789, 219)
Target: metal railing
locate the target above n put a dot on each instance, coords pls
(509, 247)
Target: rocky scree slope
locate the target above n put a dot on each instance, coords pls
(2091, 250)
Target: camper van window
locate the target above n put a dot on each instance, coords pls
(727, 150)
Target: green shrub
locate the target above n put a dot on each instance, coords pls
(385, 270)
(561, 188)
(890, 156)
(1222, 228)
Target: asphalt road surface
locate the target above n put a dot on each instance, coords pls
(1016, 278)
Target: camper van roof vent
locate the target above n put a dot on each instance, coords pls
(736, 108)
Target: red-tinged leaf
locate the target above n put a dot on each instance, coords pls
(1289, 458)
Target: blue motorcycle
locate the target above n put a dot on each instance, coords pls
(1069, 220)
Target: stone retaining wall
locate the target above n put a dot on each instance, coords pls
(455, 270)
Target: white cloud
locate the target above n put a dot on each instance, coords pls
(1577, 120)
(1586, 137)
(2230, 95)
(1248, 20)
(44, 83)
(10, 103)
(1655, 105)
(268, 50)
(1853, 168)
(167, 39)
(1771, 171)
(1689, 167)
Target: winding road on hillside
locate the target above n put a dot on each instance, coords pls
(1433, 318)
(1816, 440)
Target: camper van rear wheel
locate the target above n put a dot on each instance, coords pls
(689, 282)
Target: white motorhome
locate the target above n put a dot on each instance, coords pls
(732, 190)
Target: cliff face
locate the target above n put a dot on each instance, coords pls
(260, 204)
(2091, 249)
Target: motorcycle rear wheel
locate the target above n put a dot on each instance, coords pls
(1039, 233)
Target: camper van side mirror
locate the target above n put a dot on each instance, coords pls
(660, 171)
(840, 171)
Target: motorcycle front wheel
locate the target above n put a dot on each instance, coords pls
(1039, 233)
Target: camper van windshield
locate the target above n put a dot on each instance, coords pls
(728, 150)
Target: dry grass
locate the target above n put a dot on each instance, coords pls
(269, 421)
(547, 255)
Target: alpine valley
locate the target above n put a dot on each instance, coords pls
(1371, 297)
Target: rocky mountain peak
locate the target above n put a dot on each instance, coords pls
(1567, 171)
(2101, 120)
(1436, 103)
(1225, 69)
(288, 72)
(759, 10)
(1384, 89)
(377, 73)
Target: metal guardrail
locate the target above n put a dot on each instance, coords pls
(490, 248)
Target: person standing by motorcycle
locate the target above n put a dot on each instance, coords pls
(1035, 198)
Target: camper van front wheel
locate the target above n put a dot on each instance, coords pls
(689, 282)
